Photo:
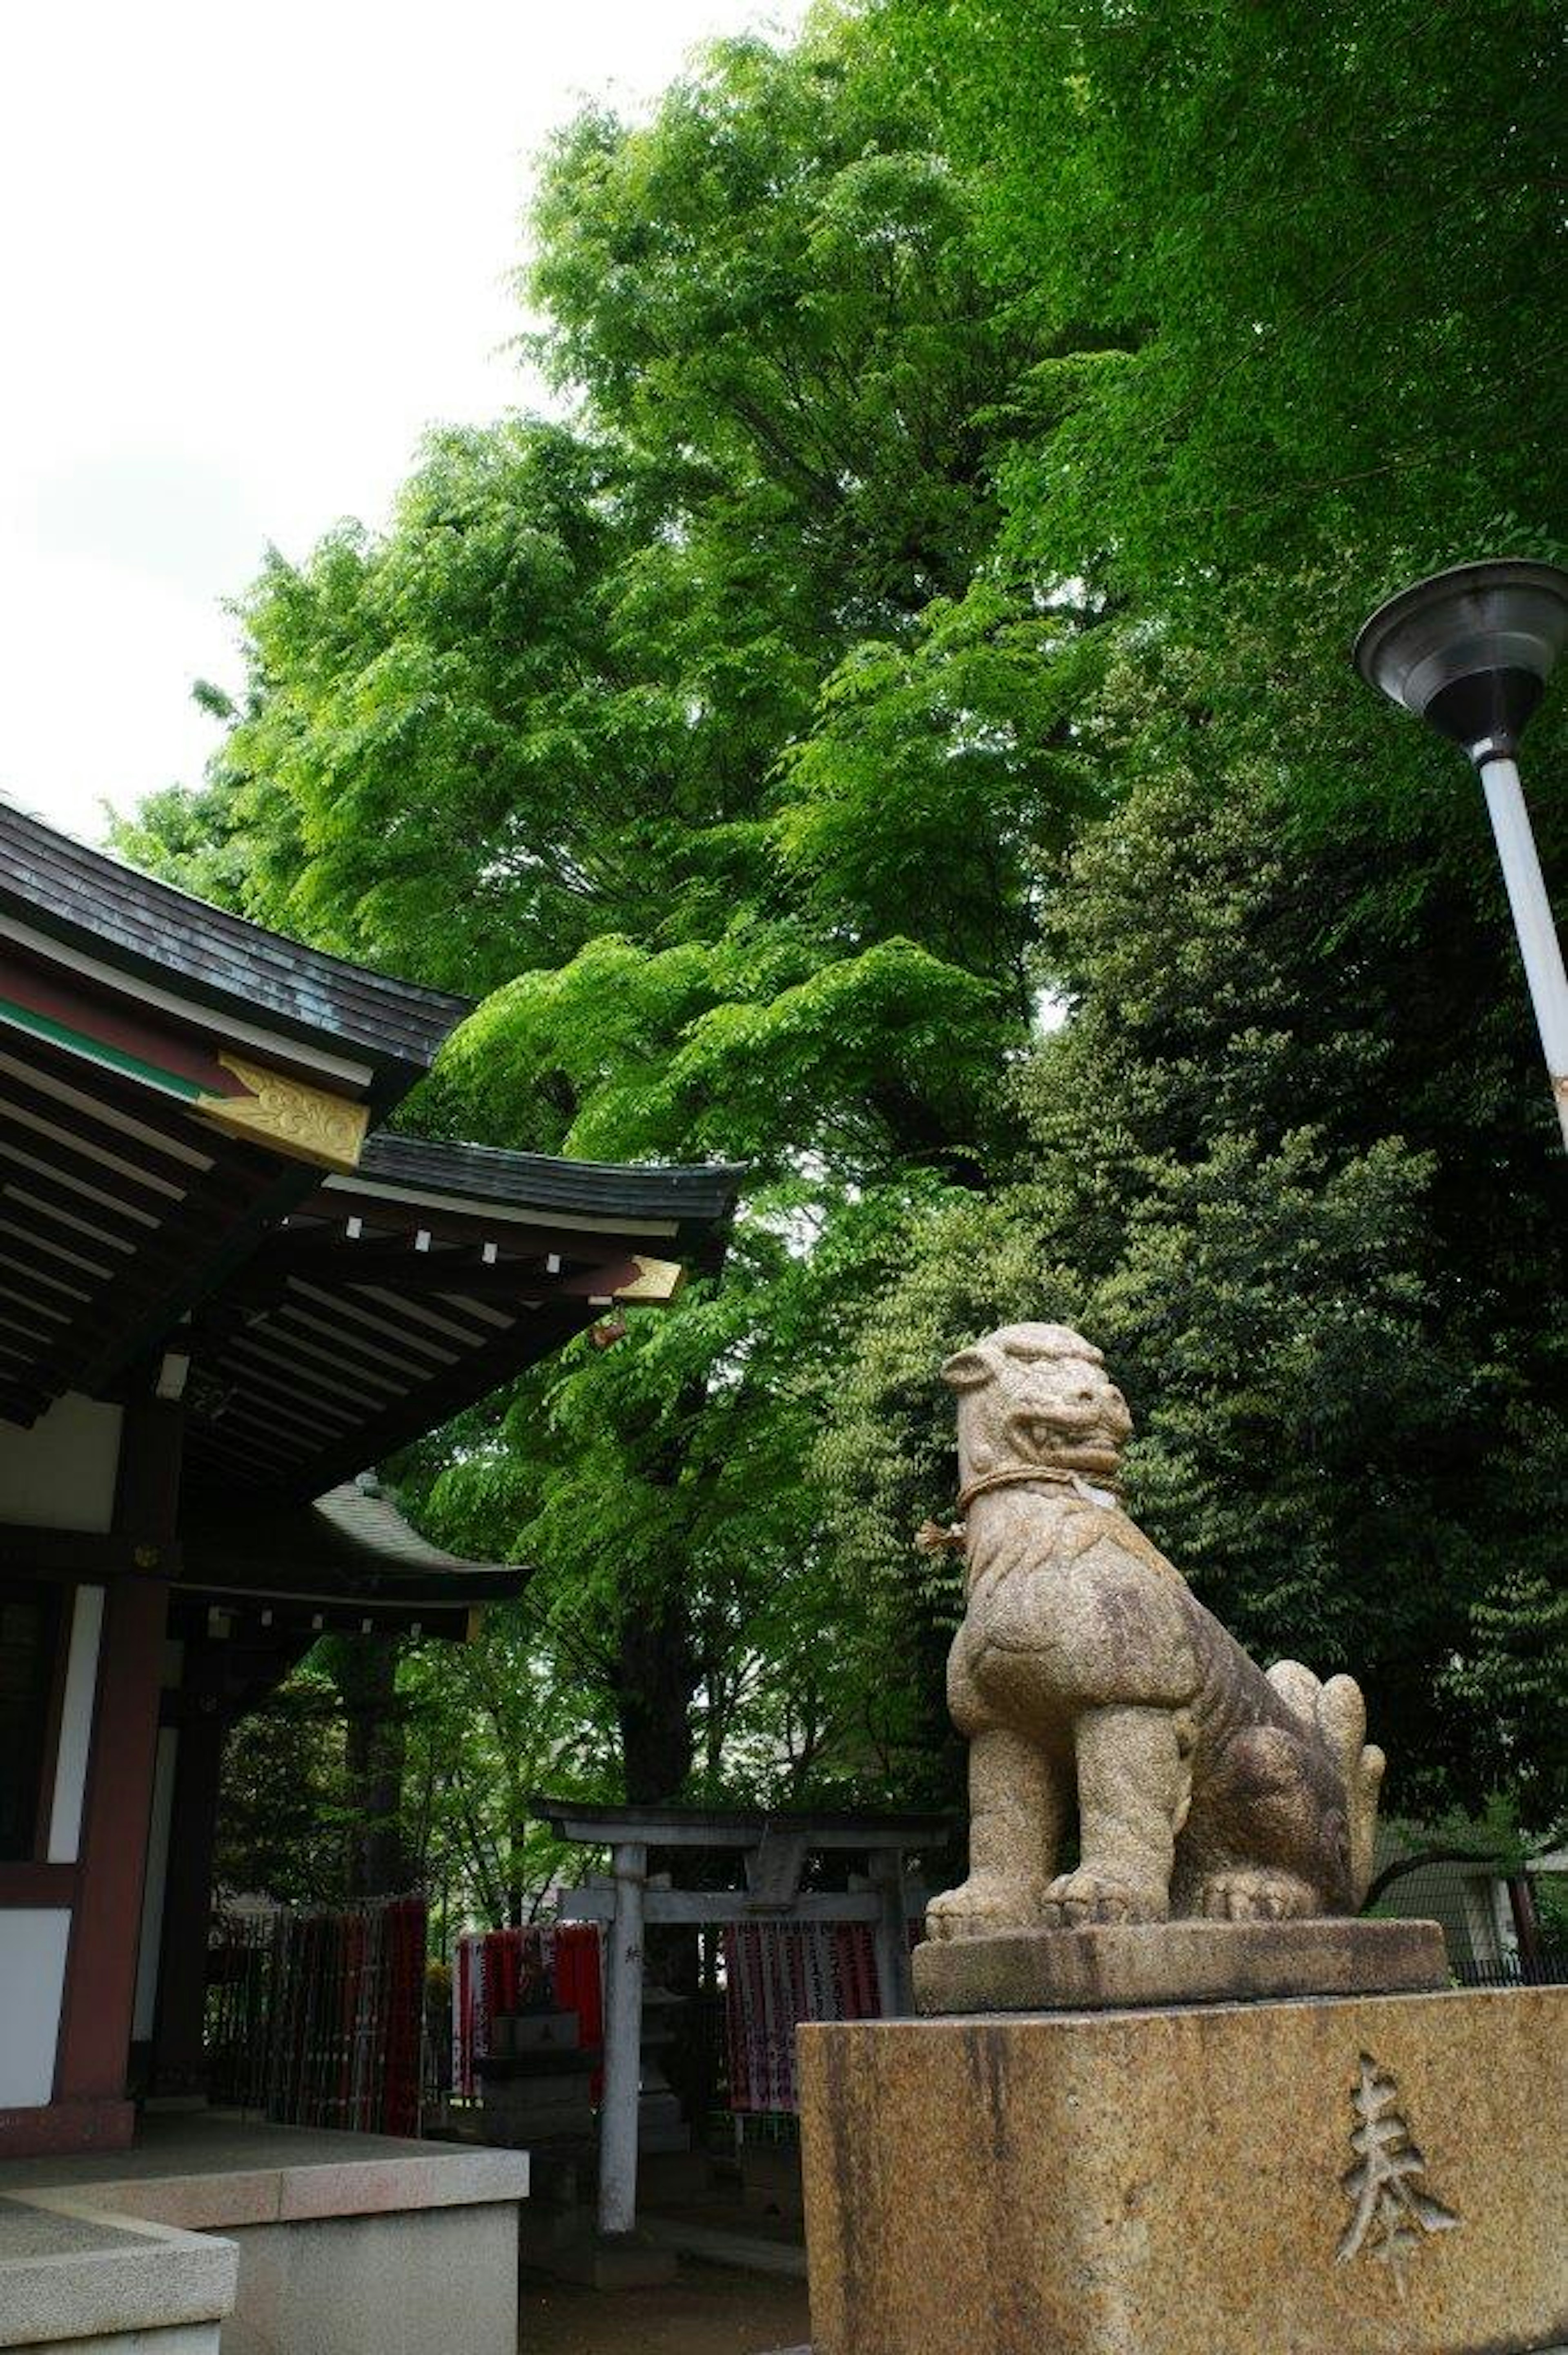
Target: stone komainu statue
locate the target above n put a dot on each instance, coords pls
(1085, 1667)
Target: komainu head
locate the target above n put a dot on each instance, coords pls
(1036, 1394)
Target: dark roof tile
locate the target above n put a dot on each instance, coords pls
(92, 901)
(699, 1193)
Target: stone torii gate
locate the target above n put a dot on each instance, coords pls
(774, 1848)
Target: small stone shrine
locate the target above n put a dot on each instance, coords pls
(536, 2079)
(1175, 2097)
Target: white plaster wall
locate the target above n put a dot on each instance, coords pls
(59, 1474)
(33, 1941)
(76, 1725)
(154, 1883)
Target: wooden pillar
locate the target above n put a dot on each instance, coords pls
(101, 1973)
(622, 2044)
(179, 2025)
(892, 1933)
(101, 1984)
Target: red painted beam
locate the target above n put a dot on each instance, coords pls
(37, 1884)
(100, 1969)
(154, 1051)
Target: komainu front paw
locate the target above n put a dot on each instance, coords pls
(986, 1902)
(1096, 1893)
(1254, 1896)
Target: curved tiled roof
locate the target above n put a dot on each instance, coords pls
(702, 1192)
(355, 1533)
(93, 902)
(350, 1550)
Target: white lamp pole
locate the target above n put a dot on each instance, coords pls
(1470, 651)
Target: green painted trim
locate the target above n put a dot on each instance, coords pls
(23, 1018)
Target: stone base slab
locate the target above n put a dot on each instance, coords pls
(1100, 1966)
(1193, 2180)
(347, 2244)
(97, 2285)
(570, 2249)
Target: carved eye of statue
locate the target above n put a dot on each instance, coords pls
(1035, 1353)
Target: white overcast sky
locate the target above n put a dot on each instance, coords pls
(250, 251)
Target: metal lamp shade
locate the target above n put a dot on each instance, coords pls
(1470, 650)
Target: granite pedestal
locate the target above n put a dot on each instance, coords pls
(73, 2280)
(1111, 1965)
(1382, 2174)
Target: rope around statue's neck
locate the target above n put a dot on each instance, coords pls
(931, 1538)
(1020, 1475)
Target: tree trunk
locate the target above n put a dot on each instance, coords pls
(657, 1673)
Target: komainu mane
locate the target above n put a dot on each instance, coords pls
(1086, 1672)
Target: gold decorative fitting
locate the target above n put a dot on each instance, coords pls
(291, 1117)
(657, 1280)
(146, 1556)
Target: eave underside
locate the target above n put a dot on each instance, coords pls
(316, 1323)
(118, 1213)
(368, 1321)
(190, 1203)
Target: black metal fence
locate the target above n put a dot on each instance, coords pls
(318, 2019)
(1547, 1968)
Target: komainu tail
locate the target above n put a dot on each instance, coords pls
(1340, 1714)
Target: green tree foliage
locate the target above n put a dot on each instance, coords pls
(539, 730)
(282, 1826)
(1330, 237)
(1292, 1153)
(988, 427)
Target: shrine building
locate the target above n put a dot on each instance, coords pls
(225, 1291)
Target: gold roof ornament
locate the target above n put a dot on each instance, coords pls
(289, 1115)
(656, 1282)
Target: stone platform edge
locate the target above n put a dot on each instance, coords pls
(299, 2192)
(69, 2273)
(1135, 1966)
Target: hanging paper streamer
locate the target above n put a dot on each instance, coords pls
(777, 1975)
(316, 2019)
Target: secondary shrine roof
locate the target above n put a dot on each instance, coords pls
(348, 1562)
(382, 1307)
(681, 1202)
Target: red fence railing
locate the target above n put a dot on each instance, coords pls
(317, 2019)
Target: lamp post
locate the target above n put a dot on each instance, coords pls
(1470, 651)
